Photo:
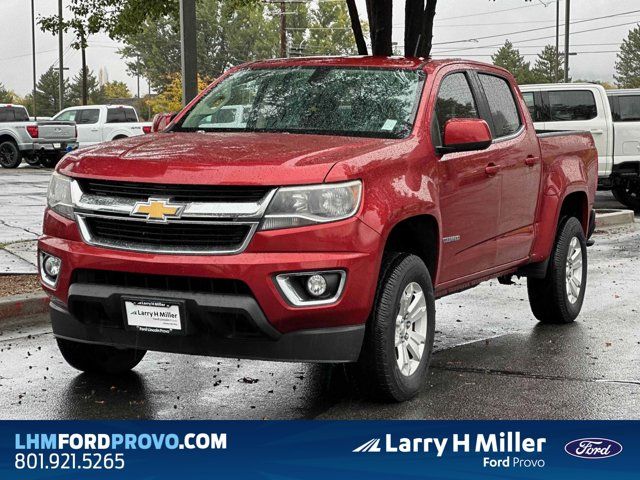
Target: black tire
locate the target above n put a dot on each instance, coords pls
(99, 358)
(10, 155)
(550, 302)
(628, 193)
(49, 162)
(377, 372)
(34, 161)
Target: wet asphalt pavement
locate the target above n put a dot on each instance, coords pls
(492, 360)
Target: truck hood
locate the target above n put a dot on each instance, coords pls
(218, 158)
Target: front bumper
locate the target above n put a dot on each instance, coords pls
(319, 333)
(325, 345)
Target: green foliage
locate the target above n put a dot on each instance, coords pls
(628, 62)
(510, 58)
(7, 96)
(115, 89)
(95, 95)
(47, 94)
(544, 70)
(229, 34)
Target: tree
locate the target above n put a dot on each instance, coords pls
(115, 89)
(7, 96)
(94, 92)
(510, 58)
(170, 100)
(628, 62)
(226, 36)
(47, 94)
(549, 66)
(329, 30)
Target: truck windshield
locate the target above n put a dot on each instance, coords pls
(321, 100)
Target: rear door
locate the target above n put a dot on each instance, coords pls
(469, 198)
(88, 122)
(517, 153)
(626, 124)
(581, 109)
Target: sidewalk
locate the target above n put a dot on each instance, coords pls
(22, 202)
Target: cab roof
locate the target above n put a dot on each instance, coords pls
(409, 63)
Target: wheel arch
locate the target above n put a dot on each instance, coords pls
(418, 235)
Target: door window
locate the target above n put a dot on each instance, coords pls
(130, 115)
(88, 117)
(116, 115)
(506, 120)
(455, 100)
(572, 105)
(68, 116)
(626, 109)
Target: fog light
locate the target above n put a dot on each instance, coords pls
(52, 266)
(49, 268)
(316, 285)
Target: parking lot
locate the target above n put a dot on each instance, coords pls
(492, 361)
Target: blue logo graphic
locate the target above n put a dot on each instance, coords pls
(370, 446)
(593, 448)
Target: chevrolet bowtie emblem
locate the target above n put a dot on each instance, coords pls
(157, 209)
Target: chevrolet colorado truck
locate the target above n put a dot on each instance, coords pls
(35, 141)
(358, 191)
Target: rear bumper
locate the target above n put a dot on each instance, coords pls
(326, 345)
(49, 146)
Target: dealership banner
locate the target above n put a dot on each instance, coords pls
(319, 449)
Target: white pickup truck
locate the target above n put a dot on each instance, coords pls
(35, 141)
(103, 123)
(612, 117)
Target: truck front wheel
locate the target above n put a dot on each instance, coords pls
(398, 342)
(558, 297)
(628, 193)
(10, 156)
(99, 358)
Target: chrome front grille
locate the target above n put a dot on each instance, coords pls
(204, 227)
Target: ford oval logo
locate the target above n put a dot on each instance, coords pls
(593, 448)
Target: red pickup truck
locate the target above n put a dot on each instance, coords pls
(313, 210)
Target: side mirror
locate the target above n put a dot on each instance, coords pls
(161, 121)
(465, 135)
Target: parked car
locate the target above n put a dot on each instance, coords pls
(625, 110)
(585, 106)
(35, 141)
(103, 123)
(359, 191)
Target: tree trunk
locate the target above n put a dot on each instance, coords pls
(426, 36)
(357, 27)
(380, 13)
(413, 13)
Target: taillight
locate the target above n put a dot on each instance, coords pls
(146, 128)
(32, 130)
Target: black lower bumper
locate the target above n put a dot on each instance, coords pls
(94, 315)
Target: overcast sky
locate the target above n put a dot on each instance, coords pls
(462, 28)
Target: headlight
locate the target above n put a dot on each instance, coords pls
(59, 195)
(298, 206)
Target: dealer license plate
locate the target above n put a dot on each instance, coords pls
(154, 316)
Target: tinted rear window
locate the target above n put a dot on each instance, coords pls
(13, 114)
(121, 115)
(506, 120)
(572, 105)
(625, 108)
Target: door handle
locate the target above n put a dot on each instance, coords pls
(597, 131)
(530, 161)
(492, 169)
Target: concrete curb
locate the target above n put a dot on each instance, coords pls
(612, 217)
(23, 305)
